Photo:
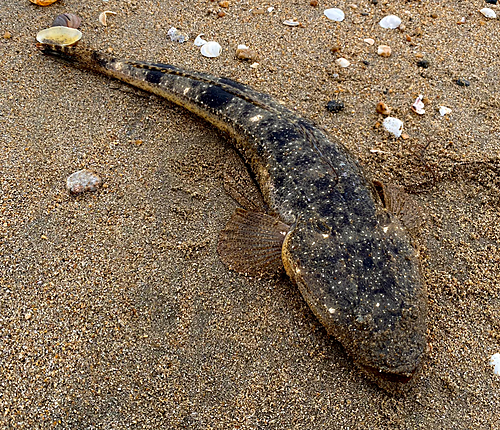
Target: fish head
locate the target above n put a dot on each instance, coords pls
(363, 283)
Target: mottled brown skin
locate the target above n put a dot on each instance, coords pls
(351, 258)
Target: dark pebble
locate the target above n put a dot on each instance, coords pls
(366, 63)
(335, 106)
(462, 82)
(491, 1)
(423, 63)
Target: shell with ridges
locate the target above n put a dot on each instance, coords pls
(67, 20)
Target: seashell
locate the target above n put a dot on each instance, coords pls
(393, 126)
(83, 180)
(291, 23)
(495, 363)
(418, 106)
(43, 2)
(59, 35)
(104, 15)
(177, 35)
(443, 110)
(67, 20)
(335, 14)
(211, 49)
(390, 21)
(488, 13)
(199, 41)
(383, 109)
(342, 62)
(384, 51)
(370, 41)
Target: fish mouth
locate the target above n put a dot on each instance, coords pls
(398, 379)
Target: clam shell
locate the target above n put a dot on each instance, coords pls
(67, 20)
(342, 62)
(488, 13)
(390, 21)
(211, 49)
(334, 14)
(43, 2)
(59, 35)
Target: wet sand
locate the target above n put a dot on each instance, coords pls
(115, 309)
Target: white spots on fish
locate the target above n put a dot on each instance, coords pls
(186, 90)
(256, 118)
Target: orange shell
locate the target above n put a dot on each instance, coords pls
(43, 2)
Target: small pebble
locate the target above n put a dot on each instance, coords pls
(245, 54)
(335, 48)
(314, 3)
(384, 51)
(342, 62)
(462, 82)
(393, 126)
(335, 106)
(83, 180)
(224, 4)
(221, 14)
(383, 109)
(7, 35)
(423, 63)
(491, 1)
(434, 15)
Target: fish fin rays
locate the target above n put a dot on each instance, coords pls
(400, 204)
(242, 188)
(251, 243)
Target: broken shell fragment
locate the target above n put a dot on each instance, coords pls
(211, 49)
(488, 13)
(199, 41)
(342, 62)
(246, 54)
(418, 106)
(59, 35)
(177, 35)
(390, 21)
(335, 14)
(393, 126)
(43, 2)
(291, 23)
(67, 20)
(384, 51)
(443, 110)
(370, 41)
(83, 180)
(383, 109)
(103, 16)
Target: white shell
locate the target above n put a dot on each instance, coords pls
(393, 125)
(495, 362)
(370, 41)
(390, 21)
(418, 106)
(177, 35)
(103, 16)
(488, 13)
(342, 62)
(211, 49)
(291, 23)
(443, 110)
(199, 41)
(59, 35)
(335, 14)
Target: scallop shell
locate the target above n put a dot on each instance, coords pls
(59, 35)
(43, 2)
(67, 20)
(211, 49)
(334, 14)
(390, 21)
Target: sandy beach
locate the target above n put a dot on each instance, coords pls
(115, 310)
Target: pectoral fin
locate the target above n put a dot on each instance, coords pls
(399, 203)
(251, 243)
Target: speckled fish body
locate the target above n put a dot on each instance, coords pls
(350, 257)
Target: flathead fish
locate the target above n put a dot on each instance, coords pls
(350, 256)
